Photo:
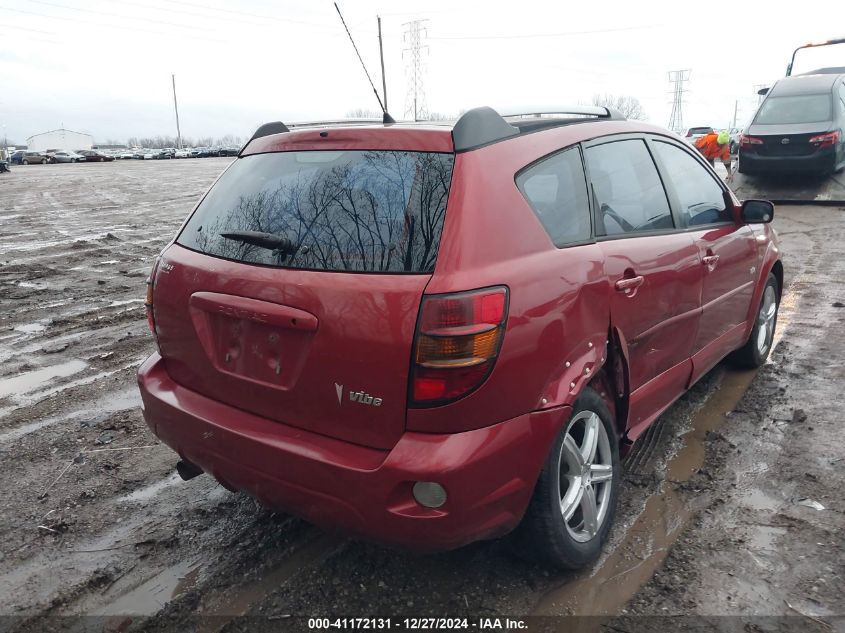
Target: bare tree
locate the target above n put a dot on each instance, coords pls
(629, 107)
(363, 113)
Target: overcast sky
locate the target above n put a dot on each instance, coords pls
(104, 66)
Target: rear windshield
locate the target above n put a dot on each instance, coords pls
(355, 211)
(795, 109)
(700, 130)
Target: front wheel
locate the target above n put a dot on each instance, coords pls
(574, 501)
(756, 350)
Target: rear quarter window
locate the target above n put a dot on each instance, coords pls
(353, 211)
(556, 189)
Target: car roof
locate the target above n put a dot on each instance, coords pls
(804, 84)
(473, 129)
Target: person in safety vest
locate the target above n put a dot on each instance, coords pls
(716, 145)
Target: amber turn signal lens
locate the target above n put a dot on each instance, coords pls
(457, 351)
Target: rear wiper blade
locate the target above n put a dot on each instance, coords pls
(264, 240)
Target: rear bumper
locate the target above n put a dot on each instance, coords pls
(488, 473)
(821, 161)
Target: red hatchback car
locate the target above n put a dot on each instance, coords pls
(428, 334)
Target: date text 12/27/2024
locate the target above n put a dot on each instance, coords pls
(417, 624)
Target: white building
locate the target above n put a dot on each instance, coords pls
(60, 139)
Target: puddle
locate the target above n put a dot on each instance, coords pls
(150, 492)
(32, 380)
(605, 590)
(110, 403)
(149, 597)
(31, 328)
(124, 302)
(756, 499)
(32, 284)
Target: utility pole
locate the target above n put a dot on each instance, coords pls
(678, 78)
(736, 105)
(415, 103)
(381, 56)
(176, 108)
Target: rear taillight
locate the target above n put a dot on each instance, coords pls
(457, 341)
(825, 140)
(750, 140)
(148, 301)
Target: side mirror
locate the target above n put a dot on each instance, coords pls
(757, 212)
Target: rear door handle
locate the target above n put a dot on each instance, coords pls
(629, 283)
(710, 261)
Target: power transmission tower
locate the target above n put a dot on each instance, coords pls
(678, 78)
(415, 103)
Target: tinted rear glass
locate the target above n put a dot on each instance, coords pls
(357, 211)
(795, 109)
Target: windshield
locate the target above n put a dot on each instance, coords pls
(356, 211)
(794, 109)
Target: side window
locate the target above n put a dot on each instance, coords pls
(628, 192)
(556, 189)
(702, 199)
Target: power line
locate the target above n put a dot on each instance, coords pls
(254, 15)
(134, 29)
(678, 78)
(540, 35)
(121, 17)
(415, 102)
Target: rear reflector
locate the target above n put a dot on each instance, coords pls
(457, 341)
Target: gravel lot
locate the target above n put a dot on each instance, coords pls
(97, 532)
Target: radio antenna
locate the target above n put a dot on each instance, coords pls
(386, 118)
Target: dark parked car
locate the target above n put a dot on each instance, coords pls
(431, 342)
(17, 157)
(228, 151)
(798, 127)
(93, 156)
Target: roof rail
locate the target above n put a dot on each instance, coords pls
(484, 125)
(578, 110)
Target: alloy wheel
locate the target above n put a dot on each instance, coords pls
(586, 476)
(766, 320)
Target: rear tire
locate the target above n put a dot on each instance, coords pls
(574, 501)
(758, 346)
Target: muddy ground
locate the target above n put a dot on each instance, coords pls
(718, 525)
